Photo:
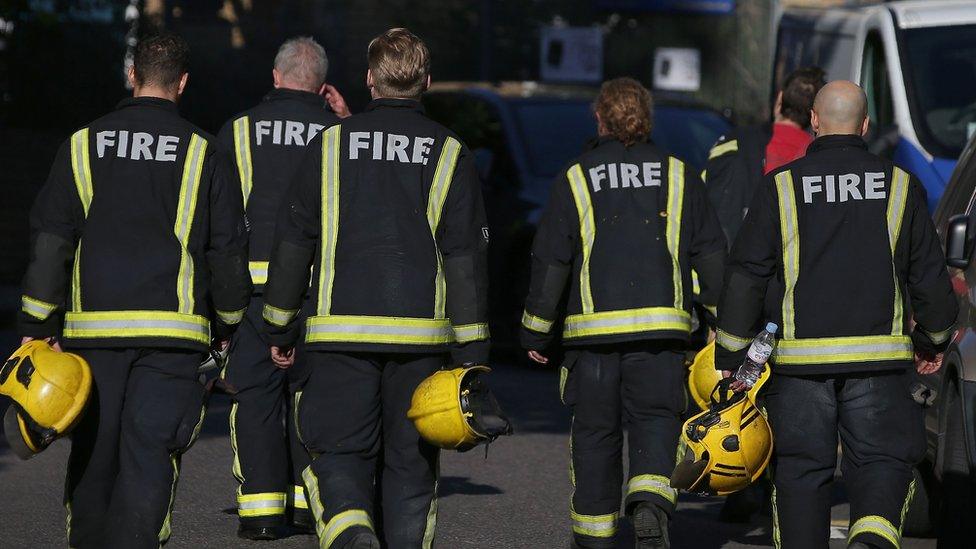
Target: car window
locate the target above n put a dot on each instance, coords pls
(479, 126)
(874, 80)
(554, 132)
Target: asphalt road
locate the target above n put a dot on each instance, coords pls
(516, 498)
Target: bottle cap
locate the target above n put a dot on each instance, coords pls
(771, 327)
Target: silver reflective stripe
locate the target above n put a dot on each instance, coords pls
(136, 324)
(876, 525)
(242, 150)
(676, 197)
(259, 271)
(584, 209)
(535, 323)
(276, 316)
(342, 522)
(471, 332)
(655, 484)
(441, 185)
(81, 168)
(627, 321)
(731, 342)
(896, 210)
(599, 526)
(390, 330)
(843, 349)
(789, 227)
(189, 189)
(231, 317)
(264, 504)
(939, 337)
(36, 308)
(330, 216)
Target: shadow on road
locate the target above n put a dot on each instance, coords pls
(450, 486)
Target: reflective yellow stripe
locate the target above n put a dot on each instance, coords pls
(81, 168)
(312, 485)
(731, 342)
(189, 190)
(676, 199)
(276, 316)
(330, 215)
(76, 280)
(939, 337)
(584, 208)
(832, 350)
(597, 526)
(125, 324)
(627, 321)
(776, 538)
(298, 500)
(877, 525)
(904, 507)
(431, 527)
(789, 227)
(36, 308)
(259, 271)
(166, 530)
(535, 323)
(235, 467)
(695, 284)
(378, 329)
(342, 522)
(471, 332)
(654, 484)
(897, 198)
(441, 185)
(242, 150)
(723, 148)
(261, 505)
(231, 317)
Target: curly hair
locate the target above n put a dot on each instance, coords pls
(624, 108)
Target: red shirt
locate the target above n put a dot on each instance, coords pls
(787, 144)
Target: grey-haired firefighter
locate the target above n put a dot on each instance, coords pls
(624, 227)
(839, 249)
(388, 207)
(138, 262)
(268, 143)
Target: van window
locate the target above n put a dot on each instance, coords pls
(875, 81)
(801, 46)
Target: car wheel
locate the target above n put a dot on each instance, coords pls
(919, 518)
(957, 485)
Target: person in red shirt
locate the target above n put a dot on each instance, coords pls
(791, 133)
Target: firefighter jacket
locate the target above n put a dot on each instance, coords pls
(387, 206)
(267, 144)
(733, 173)
(138, 236)
(624, 227)
(839, 250)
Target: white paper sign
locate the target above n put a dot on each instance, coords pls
(677, 69)
(571, 54)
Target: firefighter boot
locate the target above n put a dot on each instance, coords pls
(860, 545)
(258, 533)
(650, 527)
(366, 540)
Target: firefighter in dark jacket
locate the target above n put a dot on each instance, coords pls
(138, 262)
(737, 163)
(268, 143)
(838, 248)
(624, 227)
(388, 205)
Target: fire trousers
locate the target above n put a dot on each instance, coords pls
(642, 384)
(370, 469)
(145, 411)
(882, 438)
(268, 459)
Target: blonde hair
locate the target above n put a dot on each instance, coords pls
(400, 64)
(624, 107)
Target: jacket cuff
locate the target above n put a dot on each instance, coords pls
(29, 326)
(534, 341)
(924, 344)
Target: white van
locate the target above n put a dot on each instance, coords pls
(917, 62)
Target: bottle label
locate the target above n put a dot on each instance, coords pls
(759, 352)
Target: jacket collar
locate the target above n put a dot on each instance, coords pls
(391, 103)
(278, 94)
(146, 101)
(837, 142)
(599, 141)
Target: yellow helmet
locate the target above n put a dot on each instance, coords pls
(49, 392)
(727, 447)
(702, 376)
(454, 410)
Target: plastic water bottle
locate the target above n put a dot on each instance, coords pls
(758, 355)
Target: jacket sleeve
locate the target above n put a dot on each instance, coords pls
(462, 238)
(708, 247)
(934, 305)
(56, 221)
(726, 179)
(753, 261)
(553, 251)
(230, 280)
(297, 233)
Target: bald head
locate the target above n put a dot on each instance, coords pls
(841, 108)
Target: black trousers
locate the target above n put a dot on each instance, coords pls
(352, 417)
(882, 438)
(644, 385)
(267, 461)
(146, 410)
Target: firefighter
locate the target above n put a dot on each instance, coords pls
(267, 143)
(840, 248)
(388, 203)
(737, 163)
(624, 227)
(138, 263)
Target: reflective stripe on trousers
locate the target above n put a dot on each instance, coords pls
(654, 484)
(597, 526)
(260, 505)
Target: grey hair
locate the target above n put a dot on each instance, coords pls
(302, 62)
